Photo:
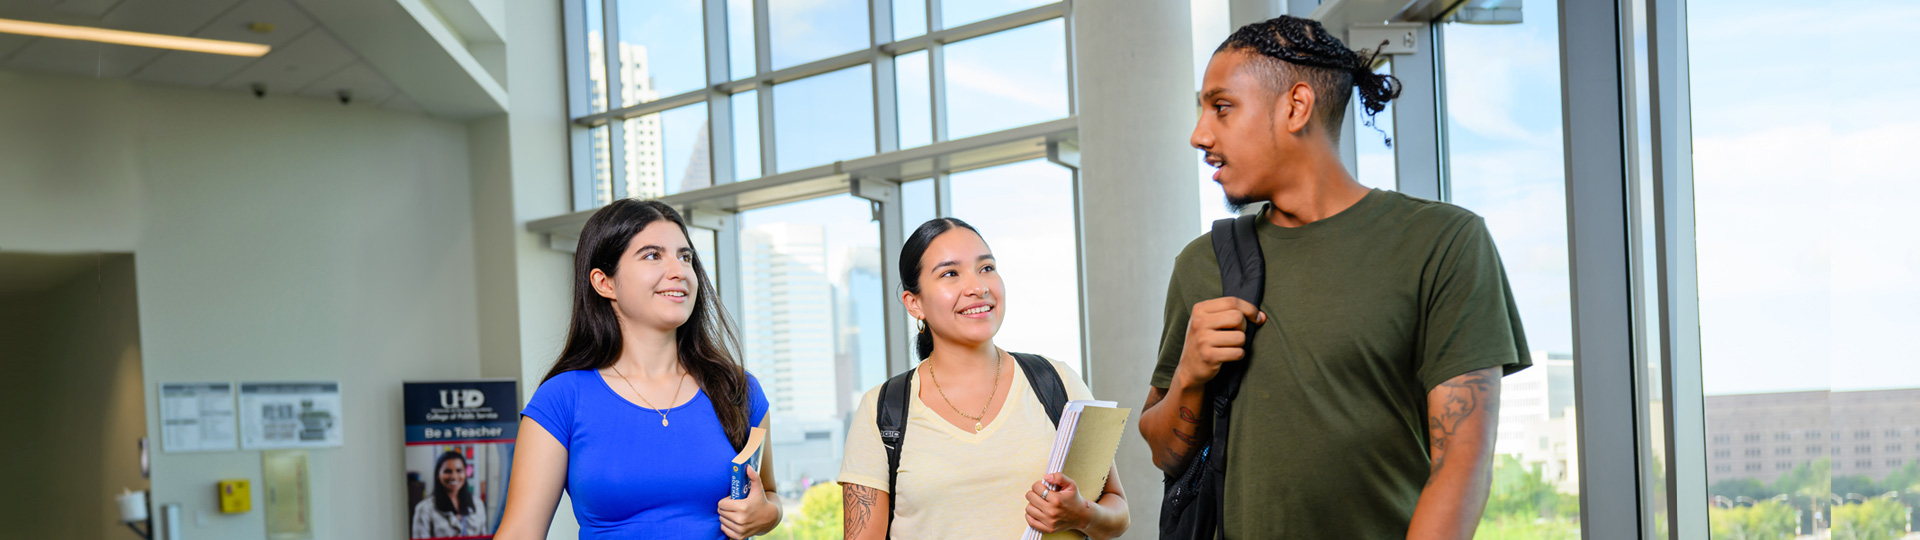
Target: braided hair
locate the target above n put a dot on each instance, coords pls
(1290, 49)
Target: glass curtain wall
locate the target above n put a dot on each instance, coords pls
(810, 86)
(1808, 270)
(1506, 163)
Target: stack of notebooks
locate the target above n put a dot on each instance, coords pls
(1083, 449)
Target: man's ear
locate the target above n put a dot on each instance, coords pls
(1297, 102)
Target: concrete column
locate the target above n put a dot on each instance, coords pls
(1134, 63)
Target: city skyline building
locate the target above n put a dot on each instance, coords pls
(1536, 420)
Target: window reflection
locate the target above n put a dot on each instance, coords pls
(1506, 164)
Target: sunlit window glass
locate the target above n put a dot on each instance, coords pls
(1007, 79)
(667, 152)
(812, 325)
(1507, 165)
(662, 49)
(955, 13)
(823, 119)
(808, 30)
(1024, 211)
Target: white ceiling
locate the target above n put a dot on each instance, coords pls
(307, 59)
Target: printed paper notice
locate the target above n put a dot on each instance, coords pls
(289, 415)
(196, 417)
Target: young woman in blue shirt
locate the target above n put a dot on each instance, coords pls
(640, 418)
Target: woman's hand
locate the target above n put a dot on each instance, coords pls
(1051, 510)
(752, 516)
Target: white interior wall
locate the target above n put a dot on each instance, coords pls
(277, 239)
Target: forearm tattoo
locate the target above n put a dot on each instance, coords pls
(857, 503)
(1460, 397)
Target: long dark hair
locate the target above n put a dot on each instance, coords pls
(593, 339)
(441, 501)
(910, 254)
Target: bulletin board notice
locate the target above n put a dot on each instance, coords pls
(197, 417)
(289, 415)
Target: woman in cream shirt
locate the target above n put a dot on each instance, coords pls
(977, 437)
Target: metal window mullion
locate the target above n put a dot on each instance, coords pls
(1599, 243)
(1073, 77)
(937, 73)
(616, 132)
(886, 113)
(943, 194)
(1080, 275)
(719, 105)
(1676, 262)
(1416, 118)
(978, 28)
(763, 66)
(579, 103)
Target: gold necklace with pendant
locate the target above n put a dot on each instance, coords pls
(643, 399)
(991, 390)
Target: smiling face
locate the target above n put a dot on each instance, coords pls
(453, 475)
(654, 285)
(961, 296)
(1248, 130)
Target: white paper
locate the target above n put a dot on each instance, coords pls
(196, 417)
(289, 415)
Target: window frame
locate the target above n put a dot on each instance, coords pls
(875, 177)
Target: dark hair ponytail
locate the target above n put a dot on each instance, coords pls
(593, 338)
(910, 254)
(1321, 60)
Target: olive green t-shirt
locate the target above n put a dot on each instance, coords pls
(1367, 310)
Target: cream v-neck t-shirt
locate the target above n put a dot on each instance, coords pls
(954, 483)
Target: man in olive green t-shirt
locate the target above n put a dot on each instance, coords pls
(1369, 403)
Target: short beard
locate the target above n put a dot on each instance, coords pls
(1238, 205)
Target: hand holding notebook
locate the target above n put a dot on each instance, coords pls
(1083, 449)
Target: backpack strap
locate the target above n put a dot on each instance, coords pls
(891, 417)
(1243, 273)
(1045, 382)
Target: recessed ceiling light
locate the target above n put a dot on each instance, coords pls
(137, 39)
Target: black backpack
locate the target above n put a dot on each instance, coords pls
(1195, 501)
(895, 393)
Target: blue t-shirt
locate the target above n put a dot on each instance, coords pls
(630, 477)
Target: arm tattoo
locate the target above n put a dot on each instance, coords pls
(1188, 416)
(1192, 440)
(1461, 397)
(857, 502)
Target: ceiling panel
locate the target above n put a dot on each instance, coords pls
(82, 58)
(366, 84)
(82, 8)
(288, 22)
(192, 69)
(401, 102)
(291, 68)
(11, 43)
(171, 17)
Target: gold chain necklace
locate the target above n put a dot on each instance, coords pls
(995, 389)
(643, 399)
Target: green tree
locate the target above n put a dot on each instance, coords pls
(818, 517)
(1876, 519)
(1768, 520)
(1521, 491)
(1741, 487)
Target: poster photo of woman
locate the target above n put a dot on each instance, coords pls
(454, 490)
